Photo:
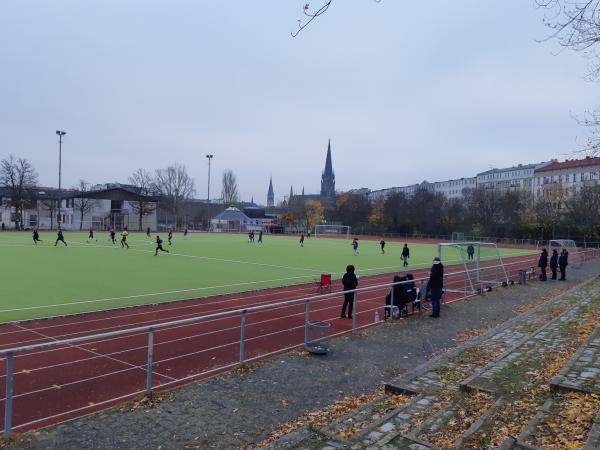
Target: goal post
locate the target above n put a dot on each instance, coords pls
(482, 262)
(332, 230)
(575, 260)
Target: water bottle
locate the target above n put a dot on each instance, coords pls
(376, 316)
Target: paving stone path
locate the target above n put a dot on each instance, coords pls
(234, 410)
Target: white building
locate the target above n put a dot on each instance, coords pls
(567, 177)
(511, 178)
(409, 191)
(114, 207)
(454, 188)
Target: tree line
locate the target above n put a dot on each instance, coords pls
(168, 189)
(480, 212)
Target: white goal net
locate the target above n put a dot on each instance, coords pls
(574, 256)
(332, 230)
(483, 265)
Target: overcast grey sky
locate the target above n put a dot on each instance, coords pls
(406, 90)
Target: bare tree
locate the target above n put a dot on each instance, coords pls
(83, 203)
(230, 189)
(50, 205)
(144, 185)
(312, 13)
(18, 176)
(576, 25)
(176, 186)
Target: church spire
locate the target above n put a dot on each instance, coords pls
(328, 177)
(270, 195)
(291, 191)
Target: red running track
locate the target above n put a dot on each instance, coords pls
(62, 382)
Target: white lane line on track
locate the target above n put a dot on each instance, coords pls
(260, 323)
(73, 346)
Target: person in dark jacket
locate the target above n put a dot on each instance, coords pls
(542, 264)
(563, 262)
(382, 244)
(405, 255)
(554, 263)
(350, 282)
(436, 285)
(411, 288)
(396, 294)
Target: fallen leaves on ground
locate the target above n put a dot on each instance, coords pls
(567, 424)
(325, 416)
(469, 333)
(147, 401)
(466, 410)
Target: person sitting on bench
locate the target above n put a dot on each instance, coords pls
(396, 292)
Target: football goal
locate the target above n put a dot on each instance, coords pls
(458, 236)
(574, 259)
(483, 265)
(332, 230)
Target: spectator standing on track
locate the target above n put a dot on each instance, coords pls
(436, 285)
(382, 244)
(124, 235)
(355, 246)
(563, 262)
(60, 238)
(554, 263)
(36, 236)
(302, 240)
(470, 252)
(159, 246)
(542, 264)
(112, 235)
(350, 282)
(405, 255)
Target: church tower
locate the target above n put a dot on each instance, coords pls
(328, 177)
(270, 195)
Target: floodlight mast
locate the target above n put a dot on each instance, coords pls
(60, 135)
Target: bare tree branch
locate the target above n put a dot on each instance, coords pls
(312, 14)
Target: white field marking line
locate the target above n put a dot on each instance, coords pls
(372, 279)
(28, 308)
(204, 301)
(192, 289)
(153, 294)
(62, 336)
(200, 335)
(100, 355)
(116, 327)
(206, 258)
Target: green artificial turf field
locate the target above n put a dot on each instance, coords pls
(43, 280)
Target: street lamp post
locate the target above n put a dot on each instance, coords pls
(209, 157)
(60, 135)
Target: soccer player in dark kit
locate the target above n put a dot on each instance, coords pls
(112, 235)
(36, 236)
(159, 246)
(60, 238)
